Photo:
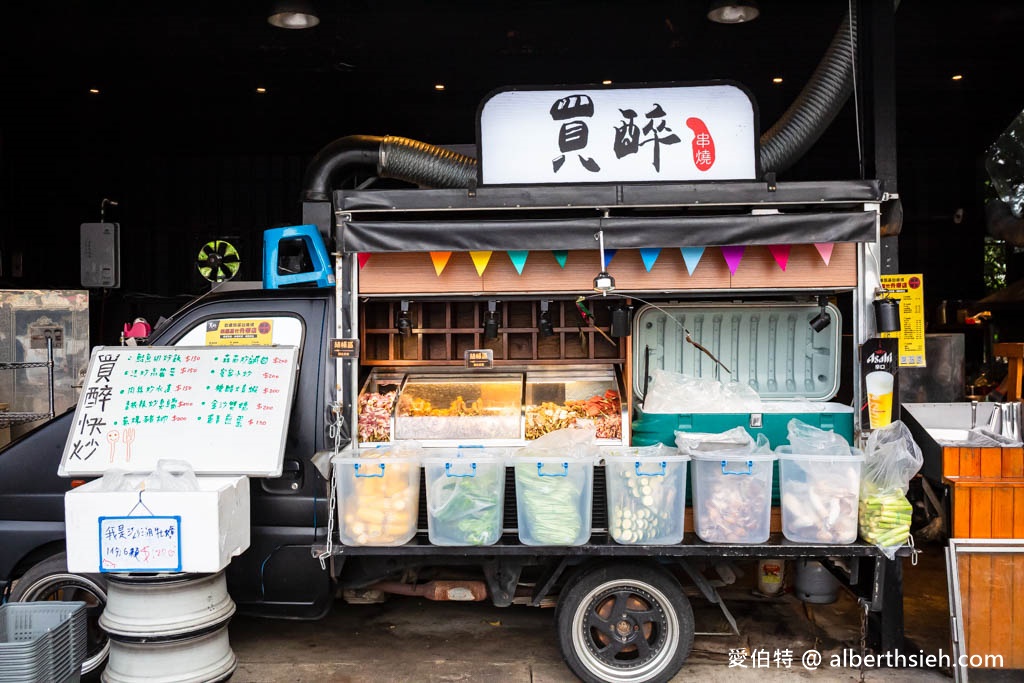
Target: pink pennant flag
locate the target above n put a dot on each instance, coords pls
(825, 251)
(649, 255)
(691, 257)
(733, 256)
(518, 259)
(781, 254)
(440, 259)
(480, 260)
(362, 258)
(561, 255)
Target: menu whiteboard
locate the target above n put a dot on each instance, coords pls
(223, 409)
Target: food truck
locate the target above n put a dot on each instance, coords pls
(475, 350)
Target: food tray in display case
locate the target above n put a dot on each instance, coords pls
(507, 407)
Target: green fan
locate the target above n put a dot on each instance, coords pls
(218, 261)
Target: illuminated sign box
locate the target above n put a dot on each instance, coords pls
(591, 134)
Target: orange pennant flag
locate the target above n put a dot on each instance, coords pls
(440, 259)
(480, 260)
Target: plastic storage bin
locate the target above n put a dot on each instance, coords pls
(42, 641)
(732, 495)
(465, 496)
(819, 496)
(646, 495)
(553, 499)
(378, 497)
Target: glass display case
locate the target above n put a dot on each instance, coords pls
(449, 406)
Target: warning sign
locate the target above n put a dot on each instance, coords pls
(242, 332)
(908, 290)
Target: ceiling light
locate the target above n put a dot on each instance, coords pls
(261, 90)
(94, 91)
(777, 80)
(544, 324)
(606, 82)
(958, 77)
(404, 323)
(733, 11)
(293, 14)
(439, 86)
(822, 320)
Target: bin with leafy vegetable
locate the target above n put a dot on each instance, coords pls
(554, 487)
(465, 496)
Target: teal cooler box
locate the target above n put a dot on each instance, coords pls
(770, 346)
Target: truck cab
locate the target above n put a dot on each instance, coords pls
(276, 576)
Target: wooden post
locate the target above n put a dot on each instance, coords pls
(1014, 353)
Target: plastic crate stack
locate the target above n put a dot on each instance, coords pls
(42, 641)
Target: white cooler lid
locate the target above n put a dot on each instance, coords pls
(222, 409)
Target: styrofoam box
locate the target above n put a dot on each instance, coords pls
(135, 530)
(819, 495)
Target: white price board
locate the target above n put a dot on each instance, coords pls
(225, 410)
(140, 544)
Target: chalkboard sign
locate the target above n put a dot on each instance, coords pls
(224, 410)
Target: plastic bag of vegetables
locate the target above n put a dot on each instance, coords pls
(554, 487)
(891, 461)
(465, 496)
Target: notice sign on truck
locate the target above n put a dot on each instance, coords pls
(248, 332)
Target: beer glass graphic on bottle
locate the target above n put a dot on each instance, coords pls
(879, 385)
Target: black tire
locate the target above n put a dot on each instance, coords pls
(648, 641)
(51, 580)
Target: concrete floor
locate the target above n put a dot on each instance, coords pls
(411, 639)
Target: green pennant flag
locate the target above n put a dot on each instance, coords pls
(518, 259)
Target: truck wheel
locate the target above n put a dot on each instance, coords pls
(624, 623)
(51, 580)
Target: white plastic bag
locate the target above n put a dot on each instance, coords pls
(892, 458)
(810, 440)
(671, 392)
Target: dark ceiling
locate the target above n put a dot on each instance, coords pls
(177, 99)
(189, 69)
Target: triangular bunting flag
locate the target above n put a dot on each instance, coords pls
(609, 254)
(518, 259)
(480, 260)
(362, 258)
(733, 256)
(691, 257)
(561, 256)
(781, 254)
(649, 255)
(825, 251)
(440, 259)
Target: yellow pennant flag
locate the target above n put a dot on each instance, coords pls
(480, 260)
(440, 259)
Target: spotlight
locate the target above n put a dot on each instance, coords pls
(491, 320)
(823, 319)
(887, 315)
(404, 324)
(621, 321)
(544, 324)
(604, 282)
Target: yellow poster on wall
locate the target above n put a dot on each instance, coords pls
(908, 291)
(240, 332)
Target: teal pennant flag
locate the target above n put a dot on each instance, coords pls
(561, 256)
(518, 259)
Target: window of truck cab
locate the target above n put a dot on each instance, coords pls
(265, 330)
